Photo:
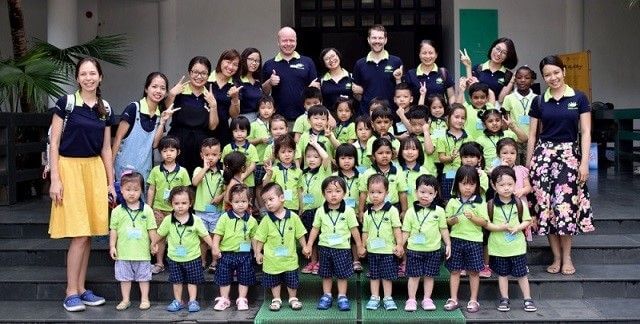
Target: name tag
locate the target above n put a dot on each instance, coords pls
(409, 191)
(335, 239)
(180, 251)
(288, 194)
(419, 238)
(496, 162)
(361, 169)
(438, 133)
(508, 237)
(524, 120)
(479, 125)
(134, 233)
(281, 251)
(210, 208)
(166, 193)
(308, 199)
(377, 243)
(387, 199)
(350, 202)
(450, 174)
(245, 247)
(400, 128)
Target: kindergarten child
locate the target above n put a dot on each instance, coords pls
(240, 129)
(411, 160)
(508, 152)
(381, 120)
(312, 96)
(448, 147)
(364, 131)
(130, 245)
(260, 137)
(285, 173)
(209, 191)
(232, 242)
(383, 239)
(402, 98)
(507, 246)
(466, 215)
(519, 101)
(345, 131)
(480, 101)
(162, 179)
(277, 233)
(337, 224)
(424, 228)
(278, 127)
(319, 119)
(234, 166)
(493, 121)
(471, 154)
(183, 231)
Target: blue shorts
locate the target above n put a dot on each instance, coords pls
(210, 220)
(189, 272)
(289, 278)
(465, 255)
(335, 263)
(241, 263)
(259, 173)
(515, 266)
(421, 264)
(307, 220)
(383, 266)
(446, 185)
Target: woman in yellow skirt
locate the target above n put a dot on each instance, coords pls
(81, 177)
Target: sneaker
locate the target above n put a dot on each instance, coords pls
(90, 299)
(325, 302)
(193, 306)
(402, 270)
(428, 305)
(463, 273)
(486, 272)
(389, 304)
(529, 305)
(73, 303)
(410, 305)
(503, 305)
(316, 268)
(344, 304)
(308, 268)
(242, 304)
(175, 306)
(357, 266)
(373, 303)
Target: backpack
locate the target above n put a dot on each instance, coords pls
(518, 206)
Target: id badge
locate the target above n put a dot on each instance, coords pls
(450, 174)
(308, 199)
(210, 208)
(245, 247)
(438, 133)
(386, 199)
(181, 251)
(400, 128)
(281, 251)
(409, 191)
(288, 194)
(377, 243)
(134, 233)
(419, 238)
(166, 193)
(350, 202)
(361, 169)
(496, 162)
(524, 120)
(479, 125)
(270, 140)
(335, 239)
(508, 237)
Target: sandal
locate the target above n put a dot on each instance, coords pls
(411, 305)
(242, 304)
(451, 305)
(357, 266)
(144, 305)
(473, 306)
(529, 305)
(295, 303)
(503, 305)
(275, 305)
(123, 305)
(157, 268)
(212, 268)
(221, 303)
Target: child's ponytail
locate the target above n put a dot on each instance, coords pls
(233, 164)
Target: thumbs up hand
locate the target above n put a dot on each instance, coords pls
(274, 79)
(315, 83)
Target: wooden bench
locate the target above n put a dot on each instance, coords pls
(625, 135)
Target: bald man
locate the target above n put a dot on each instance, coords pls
(287, 75)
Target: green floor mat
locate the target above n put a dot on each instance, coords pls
(308, 313)
(400, 316)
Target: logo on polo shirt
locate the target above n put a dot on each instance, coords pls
(501, 80)
(572, 105)
(299, 66)
(388, 68)
(347, 86)
(439, 81)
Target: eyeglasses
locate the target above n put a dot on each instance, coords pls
(500, 51)
(199, 73)
(254, 61)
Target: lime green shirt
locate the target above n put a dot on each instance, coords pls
(448, 145)
(260, 130)
(429, 159)
(379, 226)
(163, 182)
(473, 125)
(301, 125)
(364, 160)
(209, 187)
(411, 175)
(518, 107)
(501, 243)
(311, 182)
(249, 152)
(289, 179)
(423, 225)
(279, 237)
(395, 143)
(301, 146)
(465, 229)
(352, 196)
(234, 230)
(345, 132)
(484, 181)
(489, 147)
(335, 225)
(132, 228)
(269, 155)
(438, 128)
(397, 182)
(183, 239)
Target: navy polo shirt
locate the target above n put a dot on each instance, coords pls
(434, 80)
(193, 115)
(83, 134)
(560, 118)
(495, 80)
(222, 132)
(376, 78)
(147, 122)
(331, 90)
(251, 94)
(295, 76)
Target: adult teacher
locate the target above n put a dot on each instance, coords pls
(198, 113)
(287, 75)
(226, 92)
(559, 164)
(250, 70)
(337, 81)
(437, 80)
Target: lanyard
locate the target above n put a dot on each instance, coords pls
(133, 218)
(307, 182)
(266, 125)
(379, 224)
(334, 222)
(166, 177)
(286, 177)
(282, 231)
(215, 190)
(495, 144)
(524, 102)
(180, 234)
(362, 153)
(244, 226)
(424, 219)
(349, 184)
(455, 142)
(462, 206)
(339, 130)
(505, 215)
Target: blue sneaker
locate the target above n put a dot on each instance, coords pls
(389, 304)
(343, 303)
(373, 303)
(175, 306)
(193, 306)
(90, 299)
(73, 303)
(325, 302)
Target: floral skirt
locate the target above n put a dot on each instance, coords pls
(561, 204)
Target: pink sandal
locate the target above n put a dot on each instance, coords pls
(221, 303)
(242, 304)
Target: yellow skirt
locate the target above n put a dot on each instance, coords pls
(85, 204)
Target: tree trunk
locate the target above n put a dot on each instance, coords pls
(19, 40)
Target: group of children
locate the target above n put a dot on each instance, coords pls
(343, 187)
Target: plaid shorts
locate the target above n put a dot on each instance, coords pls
(420, 264)
(446, 185)
(383, 266)
(210, 220)
(465, 255)
(138, 271)
(289, 278)
(515, 266)
(259, 173)
(335, 263)
(307, 220)
(240, 262)
(189, 272)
